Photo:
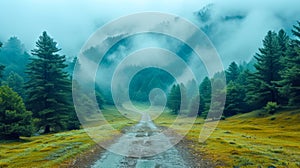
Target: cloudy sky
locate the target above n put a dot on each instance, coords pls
(71, 22)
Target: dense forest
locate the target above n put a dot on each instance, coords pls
(36, 87)
(272, 82)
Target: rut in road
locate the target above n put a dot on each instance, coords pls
(142, 146)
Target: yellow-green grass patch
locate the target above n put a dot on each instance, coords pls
(248, 140)
(51, 150)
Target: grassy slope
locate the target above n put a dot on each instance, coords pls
(53, 149)
(248, 140)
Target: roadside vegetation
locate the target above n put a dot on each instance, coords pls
(254, 139)
(56, 149)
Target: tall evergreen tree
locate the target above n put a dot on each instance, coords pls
(174, 99)
(205, 89)
(184, 98)
(48, 88)
(217, 98)
(232, 72)
(205, 96)
(262, 88)
(290, 74)
(283, 42)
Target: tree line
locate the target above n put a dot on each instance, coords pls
(272, 81)
(42, 82)
(36, 94)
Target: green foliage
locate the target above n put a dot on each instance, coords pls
(14, 57)
(196, 107)
(147, 79)
(271, 107)
(232, 72)
(289, 86)
(184, 100)
(262, 87)
(234, 99)
(196, 103)
(217, 98)
(205, 96)
(174, 99)
(48, 88)
(16, 82)
(15, 120)
(84, 102)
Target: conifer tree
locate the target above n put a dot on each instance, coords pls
(262, 87)
(290, 74)
(15, 120)
(174, 99)
(48, 88)
(205, 96)
(232, 72)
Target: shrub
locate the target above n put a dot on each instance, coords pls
(15, 120)
(271, 107)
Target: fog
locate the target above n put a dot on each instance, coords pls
(235, 27)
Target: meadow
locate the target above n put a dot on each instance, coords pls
(247, 140)
(57, 149)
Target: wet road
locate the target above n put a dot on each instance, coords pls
(142, 146)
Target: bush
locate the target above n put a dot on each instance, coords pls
(15, 120)
(271, 107)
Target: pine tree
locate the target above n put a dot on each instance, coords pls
(48, 88)
(262, 88)
(174, 99)
(15, 120)
(283, 42)
(14, 57)
(194, 107)
(205, 96)
(217, 97)
(234, 99)
(183, 93)
(16, 82)
(290, 74)
(1, 67)
(232, 72)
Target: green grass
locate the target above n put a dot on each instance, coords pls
(248, 140)
(54, 150)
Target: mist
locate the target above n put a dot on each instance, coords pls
(235, 27)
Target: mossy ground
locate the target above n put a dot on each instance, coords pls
(247, 140)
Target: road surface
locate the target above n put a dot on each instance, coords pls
(142, 146)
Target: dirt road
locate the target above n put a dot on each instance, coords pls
(144, 146)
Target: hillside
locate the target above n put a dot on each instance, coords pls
(248, 140)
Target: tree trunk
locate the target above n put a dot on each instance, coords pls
(47, 129)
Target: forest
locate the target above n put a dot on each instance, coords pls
(36, 87)
(39, 119)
